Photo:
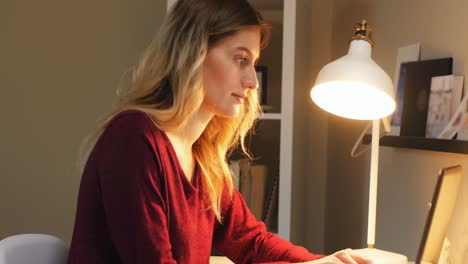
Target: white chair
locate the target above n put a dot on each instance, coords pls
(33, 249)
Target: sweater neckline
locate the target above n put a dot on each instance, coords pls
(195, 179)
(190, 186)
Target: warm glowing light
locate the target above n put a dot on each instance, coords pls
(352, 99)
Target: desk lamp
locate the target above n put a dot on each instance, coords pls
(355, 87)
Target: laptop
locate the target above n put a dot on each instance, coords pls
(443, 202)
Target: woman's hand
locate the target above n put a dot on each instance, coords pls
(346, 256)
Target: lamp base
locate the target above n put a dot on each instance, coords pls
(376, 256)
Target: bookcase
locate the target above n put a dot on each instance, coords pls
(273, 140)
(271, 145)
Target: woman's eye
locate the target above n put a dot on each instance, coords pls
(243, 60)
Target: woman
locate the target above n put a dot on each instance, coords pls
(156, 187)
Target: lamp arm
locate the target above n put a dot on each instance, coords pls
(371, 253)
(373, 183)
(374, 170)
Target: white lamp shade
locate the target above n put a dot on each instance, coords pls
(354, 86)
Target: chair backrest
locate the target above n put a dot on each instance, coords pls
(33, 249)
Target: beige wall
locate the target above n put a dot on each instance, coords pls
(60, 65)
(407, 177)
(346, 188)
(313, 36)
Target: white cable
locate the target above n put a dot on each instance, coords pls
(359, 142)
(361, 136)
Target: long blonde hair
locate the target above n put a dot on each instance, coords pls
(167, 84)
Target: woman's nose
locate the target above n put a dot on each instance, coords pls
(250, 79)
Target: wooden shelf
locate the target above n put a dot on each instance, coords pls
(433, 144)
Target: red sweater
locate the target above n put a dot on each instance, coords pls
(135, 205)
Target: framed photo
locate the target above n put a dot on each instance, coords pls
(417, 88)
(262, 74)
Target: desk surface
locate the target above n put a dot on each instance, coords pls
(220, 260)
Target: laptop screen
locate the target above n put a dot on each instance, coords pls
(437, 222)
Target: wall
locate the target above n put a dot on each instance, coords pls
(310, 125)
(407, 177)
(61, 62)
(346, 203)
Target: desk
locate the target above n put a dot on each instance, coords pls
(220, 260)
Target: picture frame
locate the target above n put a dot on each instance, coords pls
(262, 77)
(417, 88)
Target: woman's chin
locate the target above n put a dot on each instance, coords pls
(231, 113)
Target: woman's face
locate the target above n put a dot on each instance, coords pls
(229, 72)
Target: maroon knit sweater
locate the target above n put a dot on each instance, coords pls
(135, 205)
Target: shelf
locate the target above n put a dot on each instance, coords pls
(433, 144)
(269, 116)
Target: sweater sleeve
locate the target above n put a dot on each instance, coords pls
(131, 194)
(243, 239)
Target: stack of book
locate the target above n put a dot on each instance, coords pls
(250, 179)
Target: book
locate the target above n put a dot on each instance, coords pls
(463, 131)
(417, 85)
(444, 99)
(234, 166)
(458, 123)
(244, 180)
(270, 213)
(258, 174)
(252, 184)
